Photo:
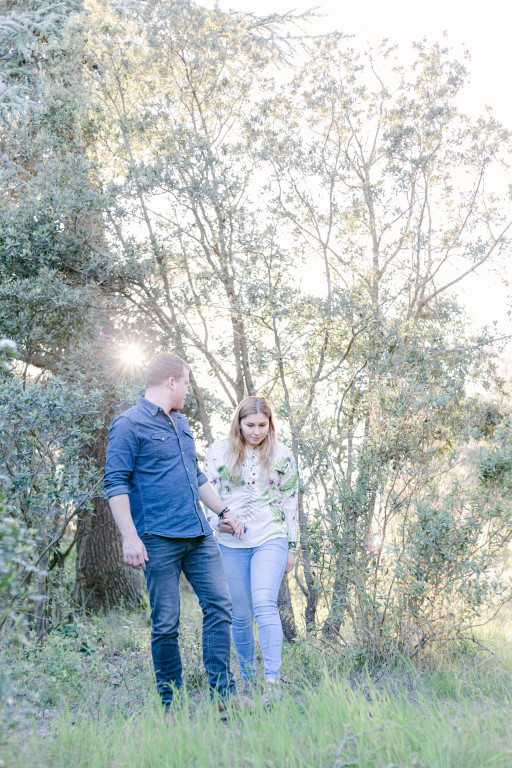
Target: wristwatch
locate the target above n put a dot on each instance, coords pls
(221, 514)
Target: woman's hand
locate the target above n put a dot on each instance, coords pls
(291, 561)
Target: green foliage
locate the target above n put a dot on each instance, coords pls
(86, 663)
(44, 314)
(17, 546)
(8, 351)
(495, 460)
(44, 429)
(18, 595)
(411, 544)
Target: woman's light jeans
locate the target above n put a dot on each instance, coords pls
(254, 577)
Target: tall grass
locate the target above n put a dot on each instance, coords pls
(334, 725)
(101, 710)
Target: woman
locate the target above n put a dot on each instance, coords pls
(256, 478)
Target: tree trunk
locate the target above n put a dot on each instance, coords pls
(102, 580)
(41, 607)
(336, 614)
(311, 596)
(284, 602)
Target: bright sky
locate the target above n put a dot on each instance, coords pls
(481, 27)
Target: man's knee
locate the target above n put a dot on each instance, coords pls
(218, 602)
(214, 595)
(165, 628)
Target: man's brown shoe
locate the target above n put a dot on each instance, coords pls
(233, 704)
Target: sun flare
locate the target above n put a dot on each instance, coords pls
(132, 355)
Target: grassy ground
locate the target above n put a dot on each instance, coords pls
(86, 698)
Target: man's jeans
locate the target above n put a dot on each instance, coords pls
(199, 558)
(254, 577)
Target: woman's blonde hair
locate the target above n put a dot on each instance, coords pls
(236, 450)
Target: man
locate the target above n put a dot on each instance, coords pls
(154, 487)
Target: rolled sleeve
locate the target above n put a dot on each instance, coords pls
(201, 477)
(122, 450)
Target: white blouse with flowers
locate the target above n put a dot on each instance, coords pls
(267, 508)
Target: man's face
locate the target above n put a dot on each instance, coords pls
(179, 389)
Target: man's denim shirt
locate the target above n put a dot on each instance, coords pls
(152, 457)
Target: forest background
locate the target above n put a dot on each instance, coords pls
(295, 216)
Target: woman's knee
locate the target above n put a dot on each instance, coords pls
(242, 619)
(264, 600)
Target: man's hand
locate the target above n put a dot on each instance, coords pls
(231, 524)
(291, 561)
(134, 553)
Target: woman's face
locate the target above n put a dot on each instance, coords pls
(254, 428)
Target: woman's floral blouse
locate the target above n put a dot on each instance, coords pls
(267, 508)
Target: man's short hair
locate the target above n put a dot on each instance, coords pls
(164, 366)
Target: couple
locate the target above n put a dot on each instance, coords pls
(155, 487)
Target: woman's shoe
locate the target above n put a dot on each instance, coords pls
(245, 688)
(271, 693)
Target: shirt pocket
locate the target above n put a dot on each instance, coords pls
(188, 441)
(165, 445)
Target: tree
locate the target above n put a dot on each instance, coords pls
(48, 210)
(382, 181)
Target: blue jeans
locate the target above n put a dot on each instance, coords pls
(199, 559)
(254, 577)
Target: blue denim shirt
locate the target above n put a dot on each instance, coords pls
(152, 457)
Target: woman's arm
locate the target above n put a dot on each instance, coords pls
(289, 499)
(214, 486)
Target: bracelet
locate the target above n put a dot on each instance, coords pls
(223, 512)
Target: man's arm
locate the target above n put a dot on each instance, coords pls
(134, 551)
(122, 449)
(210, 498)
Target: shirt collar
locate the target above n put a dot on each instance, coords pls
(150, 407)
(153, 409)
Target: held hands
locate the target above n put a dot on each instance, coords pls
(134, 553)
(231, 524)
